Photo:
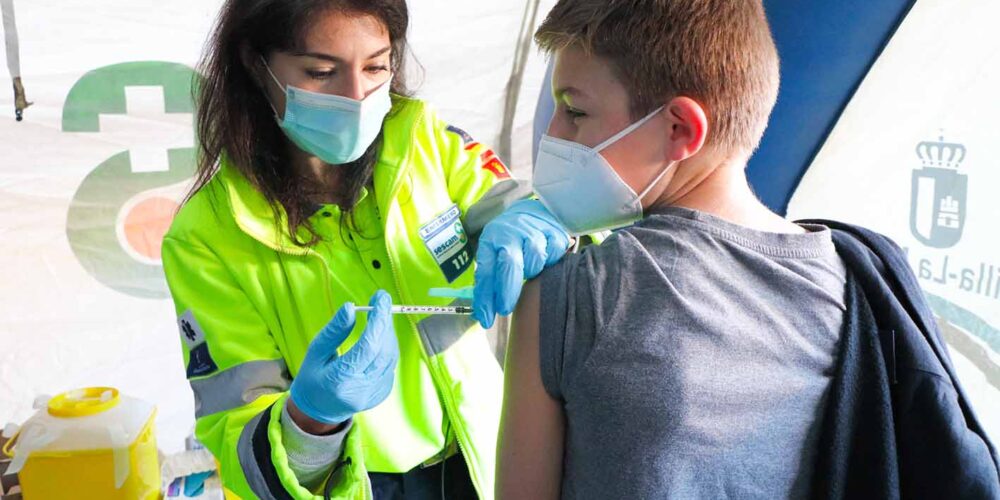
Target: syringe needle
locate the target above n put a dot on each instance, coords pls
(457, 310)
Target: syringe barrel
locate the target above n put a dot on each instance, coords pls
(403, 309)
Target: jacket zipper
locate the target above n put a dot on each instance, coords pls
(450, 408)
(329, 300)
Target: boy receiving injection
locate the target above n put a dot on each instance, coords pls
(689, 355)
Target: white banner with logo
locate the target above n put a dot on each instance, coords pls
(916, 156)
(90, 179)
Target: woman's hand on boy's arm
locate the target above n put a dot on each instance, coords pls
(515, 246)
(530, 447)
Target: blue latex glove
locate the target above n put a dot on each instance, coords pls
(331, 388)
(515, 246)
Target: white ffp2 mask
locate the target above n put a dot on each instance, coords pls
(581, 189)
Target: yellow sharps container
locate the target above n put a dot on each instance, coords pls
(89, 444)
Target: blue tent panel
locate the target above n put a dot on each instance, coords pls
(826, 50)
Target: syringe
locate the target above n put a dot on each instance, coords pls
(423, 309)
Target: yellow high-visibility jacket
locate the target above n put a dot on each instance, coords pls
(249, 301)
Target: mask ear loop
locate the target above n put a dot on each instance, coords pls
(665, 169)
(276, 82)
(656, 181)
(628, 130)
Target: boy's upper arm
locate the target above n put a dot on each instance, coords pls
(530, 448)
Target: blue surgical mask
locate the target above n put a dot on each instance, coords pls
(335, 129)
(582, 190)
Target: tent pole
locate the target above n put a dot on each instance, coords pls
(13, 57)
(513, 90)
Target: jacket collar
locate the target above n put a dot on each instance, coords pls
(255, 215)
(258, 219)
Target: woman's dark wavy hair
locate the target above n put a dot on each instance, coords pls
(235, 120)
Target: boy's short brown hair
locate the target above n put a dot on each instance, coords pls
(717, 52)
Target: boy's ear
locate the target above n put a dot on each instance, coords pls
(688, 128)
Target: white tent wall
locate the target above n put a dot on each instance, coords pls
(468, 51)
(915, 156)
(62, 327)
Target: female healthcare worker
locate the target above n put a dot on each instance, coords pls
(319, 185)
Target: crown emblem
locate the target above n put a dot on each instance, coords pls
(941, 154)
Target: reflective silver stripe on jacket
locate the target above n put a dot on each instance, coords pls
(440, 331)
(239, 385)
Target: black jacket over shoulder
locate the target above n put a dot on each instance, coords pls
(897, 424)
